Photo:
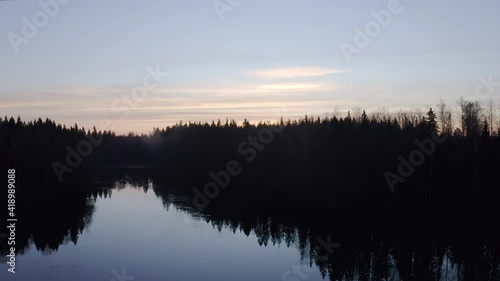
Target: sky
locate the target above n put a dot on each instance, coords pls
(144, 64)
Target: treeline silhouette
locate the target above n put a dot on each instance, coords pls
(338, 162)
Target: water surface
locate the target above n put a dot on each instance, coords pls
(132, 230)
(143, 231)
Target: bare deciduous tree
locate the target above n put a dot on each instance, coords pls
(444, 118)
(470, 113)
(490, 114)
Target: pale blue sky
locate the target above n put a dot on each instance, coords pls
(264, 57)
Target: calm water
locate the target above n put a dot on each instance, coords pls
(134, 231)
(143, 232)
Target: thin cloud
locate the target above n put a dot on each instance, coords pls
(290, 86)
(248, 89)
(293, 72)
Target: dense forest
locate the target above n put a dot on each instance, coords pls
(414, 161)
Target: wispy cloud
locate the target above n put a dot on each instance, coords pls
(167, 105)
(293, 72)
(290, 86)
(248, 89)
